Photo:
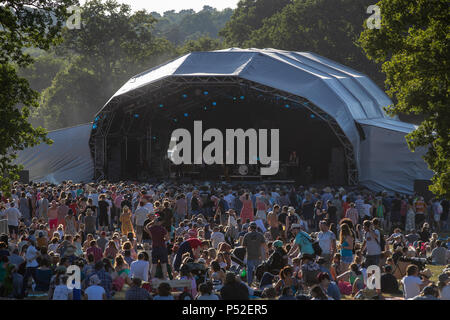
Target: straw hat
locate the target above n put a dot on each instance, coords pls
(427, 273)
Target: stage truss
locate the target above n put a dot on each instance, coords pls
(167, 87)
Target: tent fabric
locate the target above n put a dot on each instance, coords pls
(347, 95)
(387, 163)
(68, 158)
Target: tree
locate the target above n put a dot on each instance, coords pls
(38, 24)
(248, 17)
(328, 28)
(413, 45)
(202, 44)
(112, 45)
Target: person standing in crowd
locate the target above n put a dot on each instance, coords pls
(125, 221)
(159, 235)
(24, 208)
(247, 207)
(43, 206)
(346, 243)
(327, 242)
(255, 243)
(372, 240)
(103, 207)
(302, 242)
(13, 215)
(140, 215)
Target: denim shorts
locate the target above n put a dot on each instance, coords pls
(347, 259)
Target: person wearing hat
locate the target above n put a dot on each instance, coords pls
(278, 259)
(430, 292)
(444, 285)
(302, 242)
(254, 242)
(94, 291)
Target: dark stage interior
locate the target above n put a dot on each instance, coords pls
(139, 136)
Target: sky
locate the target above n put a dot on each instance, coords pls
(165, 5)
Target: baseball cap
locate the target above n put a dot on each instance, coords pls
(278, 244)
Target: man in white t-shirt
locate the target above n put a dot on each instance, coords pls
(371, 242)
(327, 242)
(30, 257)
(359, 204)
(412, 284)
(366, 208)
(139, 268)
(229, 198)
(94, 291)
(13, 215)
(140, 215)
(217, 237)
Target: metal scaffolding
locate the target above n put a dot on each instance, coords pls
(169, 86)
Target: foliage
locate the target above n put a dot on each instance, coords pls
(201, 44)
(328, 28)
(190, 25)
(35, 23)
(248, 17)
(413, 46)
(112, 45)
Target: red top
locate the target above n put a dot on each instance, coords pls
(158, 233)
(194, 243)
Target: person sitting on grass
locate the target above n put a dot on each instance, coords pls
(389, 283)
(164, 292)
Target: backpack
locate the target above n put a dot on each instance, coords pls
(317, 248)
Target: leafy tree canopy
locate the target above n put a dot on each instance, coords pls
(34, 23)
(413, 47)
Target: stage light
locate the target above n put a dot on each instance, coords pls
(205, 93)
(214, 103)
(312, 116)
(242, 97)
(136, 116)
(94, 126)
(287, 106)
(186, 114)
(154, 137)
(184, 96)
(234, 98)
(175, 120)
(205, 108)
(96, 119)
(161, 105)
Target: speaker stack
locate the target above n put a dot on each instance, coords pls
(336, 169)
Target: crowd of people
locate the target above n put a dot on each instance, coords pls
(211, 241)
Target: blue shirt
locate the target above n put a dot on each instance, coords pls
(303, 240)
(333, 291)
